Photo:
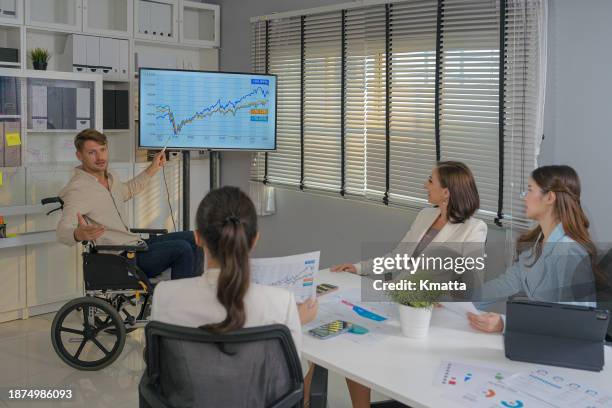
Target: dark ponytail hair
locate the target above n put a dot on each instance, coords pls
(227, 222)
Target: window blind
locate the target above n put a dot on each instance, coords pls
(369, 97)
(322, 104)
(412, 103)
(284, 60)
(524, 90)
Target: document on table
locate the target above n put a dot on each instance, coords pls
(295, 273)
(458, 376)
(543, 387)
(559, 390)
(460, 308)
(341, 305)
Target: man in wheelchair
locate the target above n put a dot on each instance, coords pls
(93, 212)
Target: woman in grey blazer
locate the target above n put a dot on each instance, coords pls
(555, 260)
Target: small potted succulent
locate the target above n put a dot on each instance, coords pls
(40, 57)
(415, 309)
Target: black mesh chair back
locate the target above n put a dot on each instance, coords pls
(189, 367)
(604, 289)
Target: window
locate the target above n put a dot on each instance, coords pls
(369, 98)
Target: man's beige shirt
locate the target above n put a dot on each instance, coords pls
(84, 194)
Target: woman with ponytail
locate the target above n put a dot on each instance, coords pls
(223, 298)
(555, 261)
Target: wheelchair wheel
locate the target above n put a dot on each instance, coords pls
(88, 333)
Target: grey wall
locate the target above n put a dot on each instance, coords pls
(578, 111)
(578, 105)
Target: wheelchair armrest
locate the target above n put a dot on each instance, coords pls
(150, 231)
(126, 248)
(53, 200)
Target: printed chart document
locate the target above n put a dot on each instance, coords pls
(295, 273)
(380, 319)
(543, 387)
(458, 376)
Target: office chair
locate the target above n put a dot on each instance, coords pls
(191, 367)
(604, 290)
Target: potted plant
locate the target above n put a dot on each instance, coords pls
(40, 57)
(415, 309)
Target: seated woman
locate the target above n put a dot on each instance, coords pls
(555, 260)
(224, 299)
(451, 188)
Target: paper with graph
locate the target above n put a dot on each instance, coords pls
(295, 273)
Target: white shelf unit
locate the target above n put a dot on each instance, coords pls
(38, 273)
(11, 12)
(156, 20)
(112, 18)
(199, 23)
(33, 280)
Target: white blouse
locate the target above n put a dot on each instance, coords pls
(192, 302)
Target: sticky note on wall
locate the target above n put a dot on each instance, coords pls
(1, 179)
(13, 139)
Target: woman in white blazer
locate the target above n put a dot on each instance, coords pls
(224, 299)
(451, 189)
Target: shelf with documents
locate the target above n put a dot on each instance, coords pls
(11, 11)
(156, 19)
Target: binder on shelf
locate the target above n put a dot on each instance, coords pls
(108, 108)
(93, 53)
(79, 52)
(69, 108)
(38, 106)
(83, 103)
(54, 108)
(122, 109)
(109, 55)
(144, 17)
(123, 58)
(12, 154)
(9, 96)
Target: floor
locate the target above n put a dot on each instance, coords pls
(27, 360)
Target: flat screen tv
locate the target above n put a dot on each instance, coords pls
(205, 110)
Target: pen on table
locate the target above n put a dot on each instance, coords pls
(364, 312)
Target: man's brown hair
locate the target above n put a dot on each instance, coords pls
(89, 134)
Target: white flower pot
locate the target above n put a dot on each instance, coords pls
(415, 321)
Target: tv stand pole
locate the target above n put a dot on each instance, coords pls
(186, 181)
(215, 181)
(215, 169)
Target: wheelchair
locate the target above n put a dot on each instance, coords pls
(89, 333)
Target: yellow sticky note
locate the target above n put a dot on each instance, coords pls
(13, 139)
(1, 178)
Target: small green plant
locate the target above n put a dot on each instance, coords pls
(40, 55)
(417, 298)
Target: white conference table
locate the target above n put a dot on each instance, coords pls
(404, 369)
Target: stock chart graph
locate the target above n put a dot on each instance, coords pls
(207, 110)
